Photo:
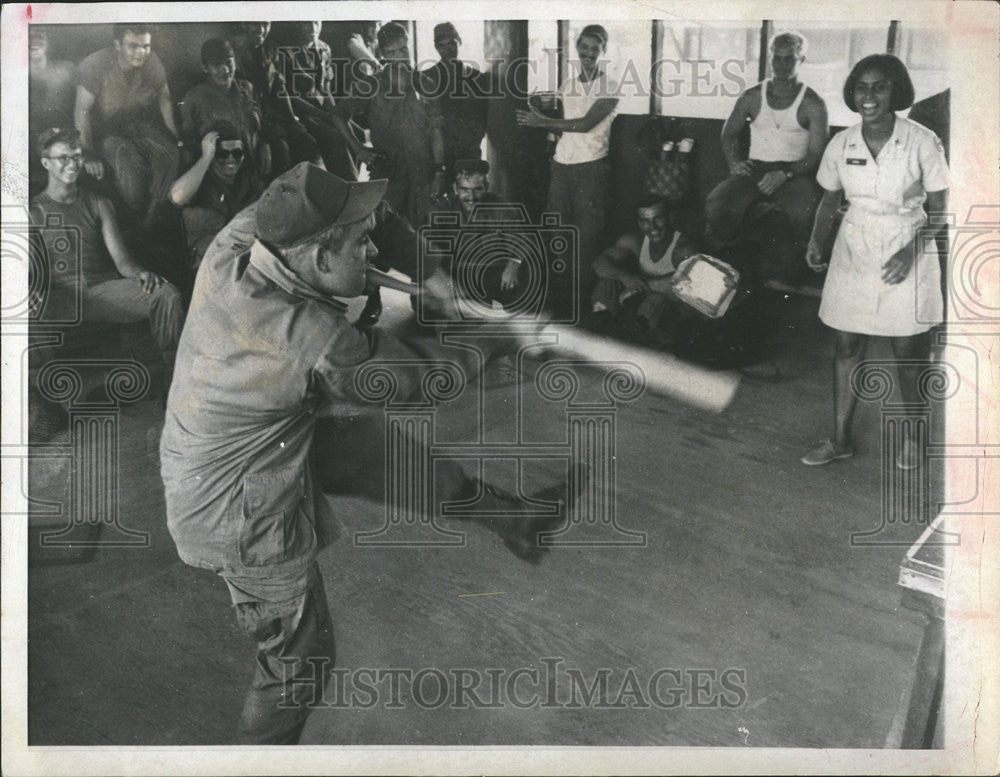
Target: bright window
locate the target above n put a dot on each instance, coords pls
(830, 55)
(703, 68)
(543, 55)
(924, 51)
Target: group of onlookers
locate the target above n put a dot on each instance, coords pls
(266, 105)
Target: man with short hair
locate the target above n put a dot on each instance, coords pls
(223, 97)
(113, 286)
(266, 354)
(460, 89)
(470, 189)
(634, 274)
(770, 195)
(634, 296)
(125, 114)
(217, 187)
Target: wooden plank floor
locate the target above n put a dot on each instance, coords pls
(747, 567)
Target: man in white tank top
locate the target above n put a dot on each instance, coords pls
(770, 197)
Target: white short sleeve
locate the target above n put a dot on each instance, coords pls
(828, 175)
(933, 167)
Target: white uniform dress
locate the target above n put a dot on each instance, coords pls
(886, 198)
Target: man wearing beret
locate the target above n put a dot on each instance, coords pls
(266, 353)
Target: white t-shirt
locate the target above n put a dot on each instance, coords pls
(577, 147)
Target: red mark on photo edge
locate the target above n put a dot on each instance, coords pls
(27, 12)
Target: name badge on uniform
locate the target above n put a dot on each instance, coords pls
(855, 161)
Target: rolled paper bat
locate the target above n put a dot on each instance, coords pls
(380, 278)
(665, 374)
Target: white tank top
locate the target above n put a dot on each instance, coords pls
(657, 269)
(777, 136)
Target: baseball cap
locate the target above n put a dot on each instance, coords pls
(305, 201)
(446, 31)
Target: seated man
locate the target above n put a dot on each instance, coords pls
(125, 112)
(217, 187)
(256, 61)
(770, 198)
(634, 296)
(397, 241)
(223, 97)
(634, 274)
(114, 286)
(499, 279)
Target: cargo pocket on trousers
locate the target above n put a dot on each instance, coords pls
(272, 501)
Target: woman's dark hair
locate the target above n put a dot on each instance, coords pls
(893, 69)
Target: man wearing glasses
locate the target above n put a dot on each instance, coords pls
(113, 285)
(217, 187)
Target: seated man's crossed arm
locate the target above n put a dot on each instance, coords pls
(619, 263)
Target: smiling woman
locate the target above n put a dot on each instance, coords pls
(884, 277)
